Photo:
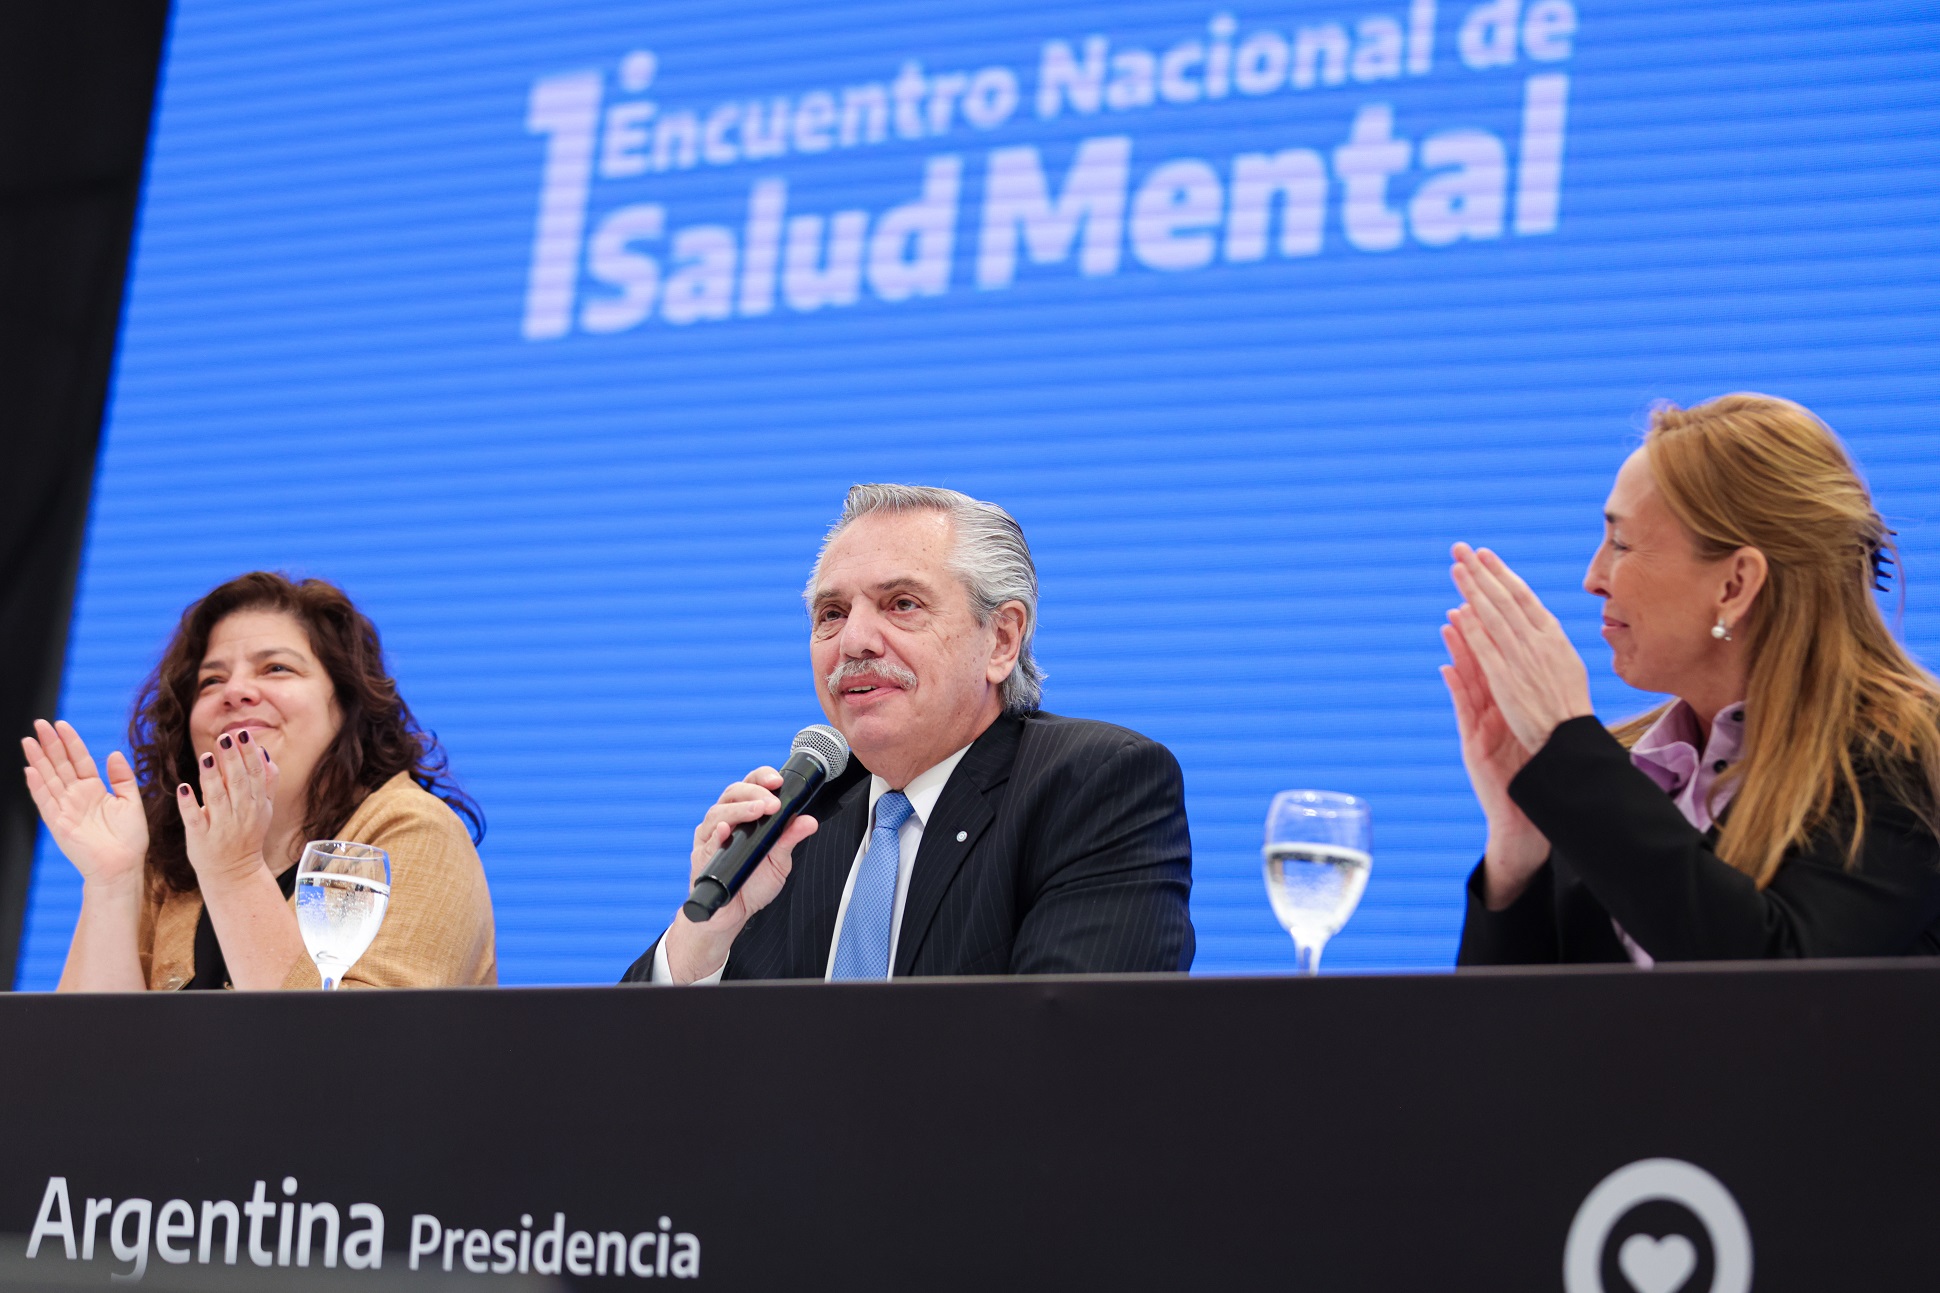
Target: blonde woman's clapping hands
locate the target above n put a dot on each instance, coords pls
(1534, 674)
(1514, 678)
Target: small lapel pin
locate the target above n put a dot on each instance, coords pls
(962, 836)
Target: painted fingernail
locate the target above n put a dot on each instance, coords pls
(242, 737)
(227, 742)
(265, 754)
(208, 760)
(183, 790)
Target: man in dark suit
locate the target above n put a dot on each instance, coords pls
(972, 833)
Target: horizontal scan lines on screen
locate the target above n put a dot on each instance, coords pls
(1330, 292)
(1421, 272)
(1384, 916)
(1413, 885)
(1882, 139)
(1429, 427)
(1434, 371)
(1231, 328)
(1384, 293)
(1456, 391)
(1475, 444)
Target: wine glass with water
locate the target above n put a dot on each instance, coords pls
(1317, 860)
(342, 892)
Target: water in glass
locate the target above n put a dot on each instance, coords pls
(342, 892)
(1317, 859)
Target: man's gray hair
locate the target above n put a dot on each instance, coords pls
(990, 557)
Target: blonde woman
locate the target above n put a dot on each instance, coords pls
(1783, 804)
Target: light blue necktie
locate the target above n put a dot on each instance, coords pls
(863, 952)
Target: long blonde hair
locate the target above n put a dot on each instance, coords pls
(1832, 693)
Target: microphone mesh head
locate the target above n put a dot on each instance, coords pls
(825, 745)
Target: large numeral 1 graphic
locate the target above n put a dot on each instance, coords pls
(566, 110)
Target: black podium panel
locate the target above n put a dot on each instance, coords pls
(1687, 1129)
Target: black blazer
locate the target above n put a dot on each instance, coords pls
(1620, 847)
(1058, 846)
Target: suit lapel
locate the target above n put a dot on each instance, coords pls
(962, 814)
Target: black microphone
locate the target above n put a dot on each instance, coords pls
(818, 755)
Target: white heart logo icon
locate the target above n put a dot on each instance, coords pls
(1657, 1265)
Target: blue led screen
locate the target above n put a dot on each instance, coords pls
(555, 332)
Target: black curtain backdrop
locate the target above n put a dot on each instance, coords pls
(77, 86)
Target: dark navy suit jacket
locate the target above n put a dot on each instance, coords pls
(1058, 846)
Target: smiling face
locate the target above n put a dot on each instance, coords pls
(260, 673)
(1660, 598)
(916, 677)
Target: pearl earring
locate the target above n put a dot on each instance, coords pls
(1719, 631)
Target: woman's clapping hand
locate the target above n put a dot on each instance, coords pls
(1513, 678)
(225, 832)
(99, 826)
(1535, 677)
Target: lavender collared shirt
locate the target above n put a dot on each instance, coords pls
(1667, 753)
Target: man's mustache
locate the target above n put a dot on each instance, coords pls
(888, 671)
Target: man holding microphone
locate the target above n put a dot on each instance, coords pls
(971, 832)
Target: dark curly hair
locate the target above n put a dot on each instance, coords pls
(378, 739)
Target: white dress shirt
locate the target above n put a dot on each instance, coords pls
(923, 791)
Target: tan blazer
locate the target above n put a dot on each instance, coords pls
(437, 934)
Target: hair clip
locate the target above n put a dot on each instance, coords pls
(1880, 558)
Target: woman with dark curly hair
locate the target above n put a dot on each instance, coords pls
(269, 722)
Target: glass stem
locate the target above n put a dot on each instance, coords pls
(331, 977)
(1306, 955)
